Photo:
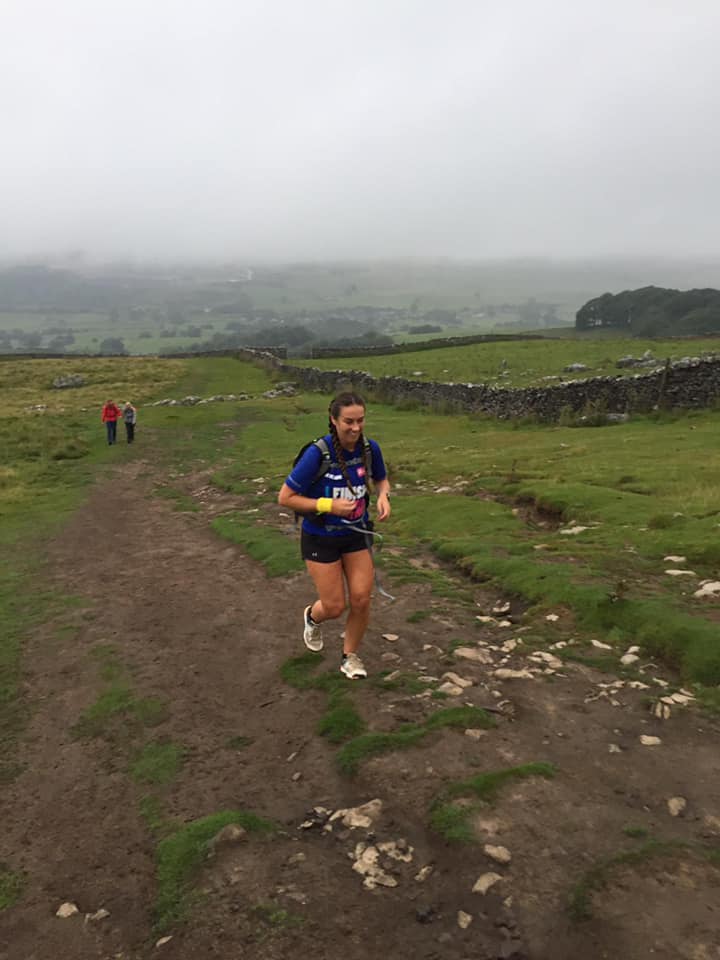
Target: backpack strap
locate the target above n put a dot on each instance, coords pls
(326, 459)
(322, 445)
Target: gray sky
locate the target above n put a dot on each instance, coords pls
(360, 128)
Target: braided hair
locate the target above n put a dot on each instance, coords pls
(348, 399)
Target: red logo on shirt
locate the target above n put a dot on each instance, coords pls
(361, 471)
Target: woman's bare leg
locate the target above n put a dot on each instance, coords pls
(359, 573)
(328, 580)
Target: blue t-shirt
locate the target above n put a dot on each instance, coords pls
(332, 484)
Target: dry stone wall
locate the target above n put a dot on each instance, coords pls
(692, 382)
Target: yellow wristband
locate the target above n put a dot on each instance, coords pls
(323, 505)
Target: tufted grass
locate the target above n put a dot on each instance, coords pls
(357, 751)
(181, 854)
(452, 820)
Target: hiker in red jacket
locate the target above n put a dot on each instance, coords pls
(110, 416)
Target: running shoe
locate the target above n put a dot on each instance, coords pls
(353, 667)
(311, 632)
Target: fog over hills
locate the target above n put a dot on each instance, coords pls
(257, 131)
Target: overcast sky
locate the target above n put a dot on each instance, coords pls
(311, 129)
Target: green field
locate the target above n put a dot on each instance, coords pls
(519, 363)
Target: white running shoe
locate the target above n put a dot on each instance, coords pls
(353, 667)
(311, 632)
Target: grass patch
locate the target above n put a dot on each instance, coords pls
(276, 551)
(452, 820)
(405, 682)
(151, 812)
(275, 917)
(580, 906)
(181, 854)
(357, 751)
(11, 887)
(340, 720)
(708, 698)
(636, 833)
(180, 501)
(118, 701)
(158, 763)
(417, 616)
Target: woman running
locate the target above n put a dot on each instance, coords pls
(329, 485)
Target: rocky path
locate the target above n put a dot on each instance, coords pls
(180, 638)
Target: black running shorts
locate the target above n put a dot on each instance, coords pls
(321, 549)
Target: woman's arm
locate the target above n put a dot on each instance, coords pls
(382, 491)
(300, 504)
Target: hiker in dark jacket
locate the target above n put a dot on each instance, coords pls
(129, 415)
(110, 416)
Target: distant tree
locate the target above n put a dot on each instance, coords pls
(654, 312)
(30, 341)
(175, 315)
(61, 343)
(112, 346)
(425, 328)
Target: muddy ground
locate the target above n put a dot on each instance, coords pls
(190, 620)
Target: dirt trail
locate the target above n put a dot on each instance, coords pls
(189, 620)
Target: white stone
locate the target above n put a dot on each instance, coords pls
(573, 531)
(501, 607)
(542, 656)
(458, 681)
(397, 850)
(366, 864)
(484, 882)
(498, 854)
(614, 748)
(676, 806)
(647, 741)
(390, 657)
(505, 673)
(390, 637)
(600, 645)
(163, 940)
(66, 910)
(475, 734)
(101, 914)
(423, 873)
(483, 619)
(629, 658)
(363, 816)
(464, 919)
(671, 558)
(708, 588)
(451, 689)
(552, 617)
(510, 645)
(391, 676)
(472, 653)
(680, 573)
